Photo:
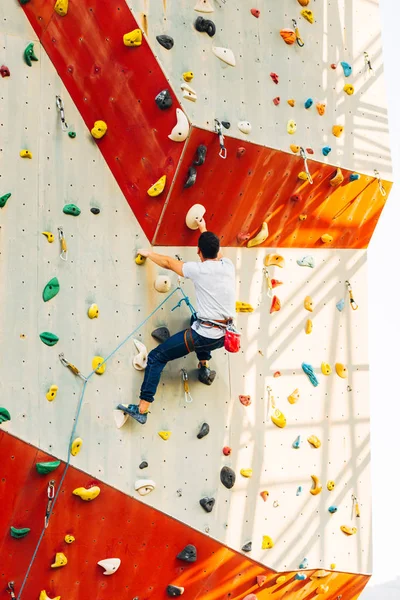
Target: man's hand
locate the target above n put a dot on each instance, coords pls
(202, 225)
(143, 252)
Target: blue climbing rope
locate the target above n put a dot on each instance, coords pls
(186, 300)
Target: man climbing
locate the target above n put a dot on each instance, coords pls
(214, 282)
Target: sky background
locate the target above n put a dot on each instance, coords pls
(384, 343)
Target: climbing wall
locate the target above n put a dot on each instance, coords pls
(269, 523)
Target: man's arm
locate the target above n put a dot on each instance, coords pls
(166, 262)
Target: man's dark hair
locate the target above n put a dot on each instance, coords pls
(209, 244)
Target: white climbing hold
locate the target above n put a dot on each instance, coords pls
(244, 126)
(120, 417)
(144, 486)
(181, 129)
(195, 215)
(225, 54)
(110, 565)
(188, 92)
(140, 360)
(204, 6)
(163, 284)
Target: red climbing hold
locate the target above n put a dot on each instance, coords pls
(261, 579)
(240, 151)
(255, 12)
(245, 400)
(276, 101)
(295, 198)
(274, 77)
(277, 374)
(226, 450)
(275, 305)
(275, 283)
(333, 66)
(4, 71)
(309, 151)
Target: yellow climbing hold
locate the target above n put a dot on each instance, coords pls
(303, 176)
(246, 472)
(164, 435)
(61, 560)
(140, 260)
(309, 326)
(278, 419)
(333, 566)
(61, 7)
(25, 154)
(316, 486)
(93, 311)
(243, 307)
(274, 260)
(281, 579)
(188, 76)
(69, 539)
(322, 589)
(348, 530)
(330, 485)
(44, 596)
(291, 127)
(326, 368)
(341, 370)
(96, 362)
(260, 237)
(314, 441)
(87, 494)
(133, 38)
(52, 393)
(99, 129)
(337, 130)
(308, 303)
(294, 148)
(349, 89)
(308, 15)
(158, 187)
(267, 542)
(76, 446)
(294, 396)
(49, 235)
(337, 178)
(326, 238)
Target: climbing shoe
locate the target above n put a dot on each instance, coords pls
(133, 411)
(206, 376)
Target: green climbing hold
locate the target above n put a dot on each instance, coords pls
(4, 415)
(3, 200)
(72, 134)
(18, 534)
(47, 467)
(72, 209)
(49, 338)
(52, 288)
(29, 54)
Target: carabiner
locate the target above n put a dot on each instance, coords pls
(11, 589)
(299, 39)
(71, 367)
(50, 497)
(63, 242)
(381, 188)
(356, 507)
(185, 379)
(368, 65)
(353, 303)
(218, 130)
(60, 106)
(270, 401)
(269, 283)
(304, 157)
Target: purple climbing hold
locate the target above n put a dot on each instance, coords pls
(228, 477)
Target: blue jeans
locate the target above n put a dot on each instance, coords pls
(176, 346)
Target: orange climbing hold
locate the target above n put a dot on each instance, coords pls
(264, 495)
(245, 400)
(291, 102)
(321, 108)
(288, 36)
(275, 305)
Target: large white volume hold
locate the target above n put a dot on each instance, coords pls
(110, 565)
(181, 129)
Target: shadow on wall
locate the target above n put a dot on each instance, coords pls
(385, 591)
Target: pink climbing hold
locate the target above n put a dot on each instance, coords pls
(276, 101)
(242, 238)
(250, 597)
(255, 12)
(226, 450)
(240, 151)
(274, 77)
(245, 400)
(261, 579)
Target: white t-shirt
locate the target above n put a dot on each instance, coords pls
(214, 283)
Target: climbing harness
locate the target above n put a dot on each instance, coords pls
(63, 243)
(355, 511)
(185, 379)
(71, 367)
(304, 157)
(50, 499)
(10, 589)
(299, 39)
(368, 65)
(381, 188)
(218, 130)
(353, 303)
(60, 106)
(187, 302)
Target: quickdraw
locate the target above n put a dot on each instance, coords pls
(185, 379)
(50, 499)
(269, 283)
(270, 401)
(11, 589)
(218, 130)
(381, 188)
(304, 157)
(368, 65)
(63, 243)
(60, 106)
(356, 507)
(71, 367)
(299, 39)
(353, 303)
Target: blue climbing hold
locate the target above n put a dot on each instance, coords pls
(299, 490)
(347, 69)
(309, 371)
(300, 576)
(308, 103)
(303, 564)
(340, 305)
(297, 442)
(326, 150)
(355, 177)
(332, 509)
(306, 261)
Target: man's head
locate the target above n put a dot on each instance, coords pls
(208, 246)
